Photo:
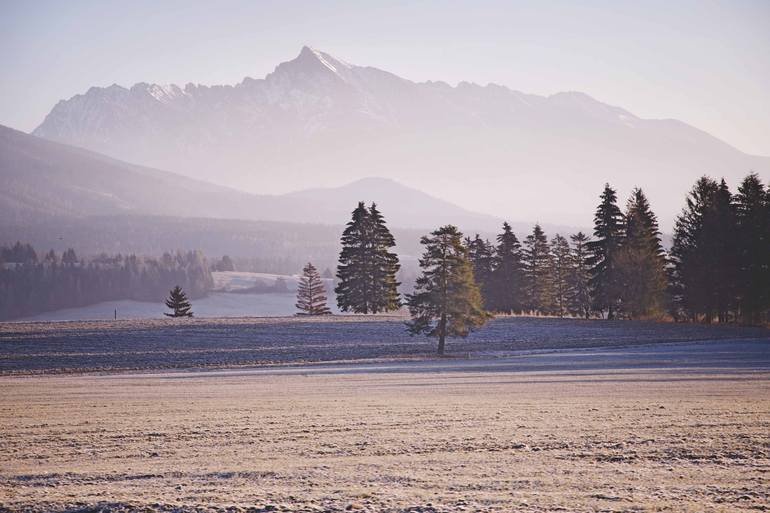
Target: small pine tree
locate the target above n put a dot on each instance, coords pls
(179, 304)
(311, 293)
(69, 257)
(446, 301)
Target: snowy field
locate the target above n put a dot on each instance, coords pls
(238, 280)
(237, 342)
(661, 428)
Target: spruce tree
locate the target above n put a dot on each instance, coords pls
(693, 253)
(354, 269)
(69, 257)
(507, 276)
(367, 268)
(446, 300)
(482, 256)
(641, 262)
(537, 272)
(179, 304)
(722, 241)
(311, 293)
(561, 267)
(385, 265)
(608, 237)
(753, 220)
(580, 276)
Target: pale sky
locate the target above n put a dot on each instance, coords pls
(706, 63)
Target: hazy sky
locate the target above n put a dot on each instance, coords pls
(706, 63)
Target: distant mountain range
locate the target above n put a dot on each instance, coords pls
(318, 120)
(40, 179)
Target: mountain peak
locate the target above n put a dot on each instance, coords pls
(310, 56)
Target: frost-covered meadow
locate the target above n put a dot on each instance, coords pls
(673, 428)
(228, 342)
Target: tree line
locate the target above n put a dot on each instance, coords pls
(717, 270)
(31, 284)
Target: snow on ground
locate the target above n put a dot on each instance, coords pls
(237, 342)
(238, 280)
(644, 436)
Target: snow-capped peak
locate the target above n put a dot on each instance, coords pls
(327, 60)
(164, 93)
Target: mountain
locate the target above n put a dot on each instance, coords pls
(403, 206)
(317, 119)
(44, 179)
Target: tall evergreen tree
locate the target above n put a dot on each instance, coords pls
(608, 237)
(179, 304)
(311, 293)
(507, 274)
(580, 276)
(446, 301)
(367, 268)
(722, 241)
(561, 267)
(753, 219)
(692, 252)
(641, 261)
(354, 269)
(385, 265)
(537, 272)
(482, 256)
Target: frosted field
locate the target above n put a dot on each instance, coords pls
(188, 343)
(661, 428)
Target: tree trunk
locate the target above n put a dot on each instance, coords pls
(441, 334)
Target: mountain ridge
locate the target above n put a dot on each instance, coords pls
(42, 178)
(317, 119)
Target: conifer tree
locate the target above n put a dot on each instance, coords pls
(580, 276)
(446, 301)
(640, 262)
(608, 237)
(354, 268)
(691, 254)
(367, 268)
(482, 256)
(69, 257)
(722, 241)
(753, 221)
(537, 272)
(385, 265)
(507, 276)
(311, 293)
(561, 267)
(179, 304)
